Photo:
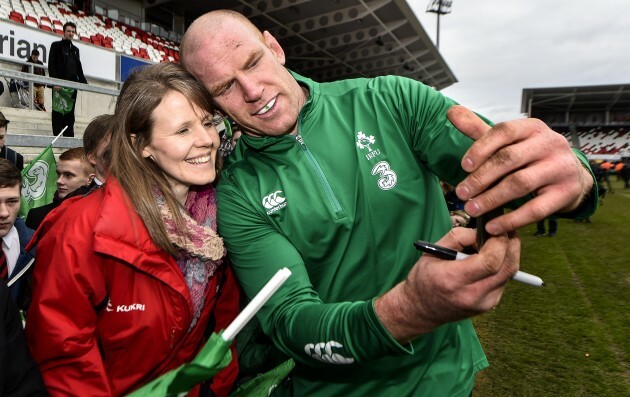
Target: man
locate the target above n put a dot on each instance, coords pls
(336, 181)
(6, 153)
(95, 142)
(64, 62)
(13, 232)
(38, 89)
(74, 176)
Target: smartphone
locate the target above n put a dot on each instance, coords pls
(482, 220)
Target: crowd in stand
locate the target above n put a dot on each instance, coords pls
(334, 181)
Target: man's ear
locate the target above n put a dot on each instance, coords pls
(90, 179)
(275, 47)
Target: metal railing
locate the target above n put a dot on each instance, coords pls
(48, 81)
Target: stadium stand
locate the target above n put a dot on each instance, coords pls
(30, 131)
(341, 40)
(602, 140)
(596, 119)
(98, 29)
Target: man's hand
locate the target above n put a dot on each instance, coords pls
(438, 291)
(526, 156)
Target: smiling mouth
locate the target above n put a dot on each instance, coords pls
(267, 107)
(199, 160)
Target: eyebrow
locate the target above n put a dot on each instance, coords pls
(218, 89)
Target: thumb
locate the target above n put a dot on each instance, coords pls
(467, 122)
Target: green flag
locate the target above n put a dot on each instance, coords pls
(39, 181)
(63, 101)
(214, 356)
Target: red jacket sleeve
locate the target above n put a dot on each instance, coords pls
(225, 311)
(61, 320)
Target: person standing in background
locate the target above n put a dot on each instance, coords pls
(38, 89)
(65, 63)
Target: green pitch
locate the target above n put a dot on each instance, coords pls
(571, 337)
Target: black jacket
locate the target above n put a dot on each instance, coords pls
(19, 376)
(36, 215)
(64, 62)
(13, 156)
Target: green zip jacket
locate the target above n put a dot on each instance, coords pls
(340, 205)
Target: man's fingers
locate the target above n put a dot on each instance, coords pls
(503, 151)
(534, 210)
(467, 122)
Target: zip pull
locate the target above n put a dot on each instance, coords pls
(300, 141)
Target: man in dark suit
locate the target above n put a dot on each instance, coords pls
(64, 62)
(14, 234)
(6, 153)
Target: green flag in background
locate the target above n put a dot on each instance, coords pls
(214, 356)
(39, 181)
(63, 101)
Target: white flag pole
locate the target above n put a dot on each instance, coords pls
(60, 134)
(259, 300)
(21, 273)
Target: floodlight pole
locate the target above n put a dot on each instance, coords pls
(439, 7)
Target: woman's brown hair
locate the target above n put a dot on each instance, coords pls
(140, 95)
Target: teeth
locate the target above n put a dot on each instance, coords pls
(267, 107)
(199, 160)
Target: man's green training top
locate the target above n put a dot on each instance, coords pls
(340, 205)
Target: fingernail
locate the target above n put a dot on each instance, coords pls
(493, 229)
(467, 164)
(473, 208)
(462, 192)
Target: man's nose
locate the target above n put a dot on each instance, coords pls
(4, 211)
(252, 90)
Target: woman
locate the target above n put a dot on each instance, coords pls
(130, 280)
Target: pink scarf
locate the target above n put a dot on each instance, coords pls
(200, 247)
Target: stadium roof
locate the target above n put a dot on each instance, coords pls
(329, 40)
(581, 99)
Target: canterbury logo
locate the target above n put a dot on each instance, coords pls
(323, 352)
(274, 201)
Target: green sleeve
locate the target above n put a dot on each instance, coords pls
(422, 112)
(295, 318)
(591, 201)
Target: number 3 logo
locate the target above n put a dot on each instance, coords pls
(387, 178)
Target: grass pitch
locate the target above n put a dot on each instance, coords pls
(571, 337)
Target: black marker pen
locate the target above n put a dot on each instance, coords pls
(452, 255)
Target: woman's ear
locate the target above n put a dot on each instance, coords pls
(145, 151)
